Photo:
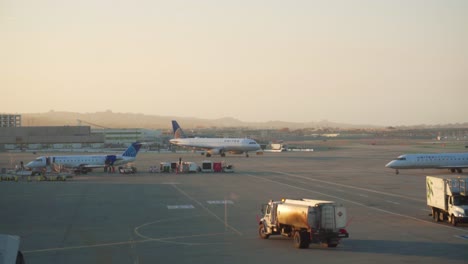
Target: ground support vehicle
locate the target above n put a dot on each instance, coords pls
(447, 196)
(305, 220)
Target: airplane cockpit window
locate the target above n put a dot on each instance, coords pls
(401, 158)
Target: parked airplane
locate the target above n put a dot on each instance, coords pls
(214, 146)
(455, 162)
(85, 163)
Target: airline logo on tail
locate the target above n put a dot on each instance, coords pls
(178, 133)
(132, 151)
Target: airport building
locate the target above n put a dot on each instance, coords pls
(126, 136)
(8, 120)
(72, 137)
(49, 137)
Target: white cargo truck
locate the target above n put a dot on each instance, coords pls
(447, 196)
(305, 220)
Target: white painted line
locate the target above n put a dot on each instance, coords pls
(347, 186)
(392, 202)
(207, 210)
(357, 203)
(363, 195)
(183, 206)
(220, 202)
(462, 236)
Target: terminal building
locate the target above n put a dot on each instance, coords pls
(13, 136)
(49, 137)
(7, 120)
(126, 136)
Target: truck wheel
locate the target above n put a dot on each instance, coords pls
(331, 243)
(453, 220)
(301, 239)
(261, 232)
(437, 216)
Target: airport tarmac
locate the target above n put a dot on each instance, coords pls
(212, 217)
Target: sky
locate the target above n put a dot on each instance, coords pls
(377, 62)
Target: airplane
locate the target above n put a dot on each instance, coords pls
(455, 162)
(85, 163)
(214, 146)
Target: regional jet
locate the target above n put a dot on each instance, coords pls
(214, 146)
(454, 162)
(85, 163)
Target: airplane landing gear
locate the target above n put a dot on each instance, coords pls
(397, 172)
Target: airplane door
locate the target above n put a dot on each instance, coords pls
(48, 161)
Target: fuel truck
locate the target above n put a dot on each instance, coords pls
(305, 220)
(447, 196)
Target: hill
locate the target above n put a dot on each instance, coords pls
(109, 119)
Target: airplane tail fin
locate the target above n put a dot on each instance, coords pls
(178, 132)
(132, 151)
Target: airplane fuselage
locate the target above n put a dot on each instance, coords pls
(90, 161)
(452, 161)
(87, 162)
(218, 145)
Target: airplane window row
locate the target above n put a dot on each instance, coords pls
(443, 158)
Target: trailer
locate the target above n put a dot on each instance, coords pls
(305, 220)
(189, 167)
(447, 197)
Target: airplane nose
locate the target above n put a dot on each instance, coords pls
(390, 164)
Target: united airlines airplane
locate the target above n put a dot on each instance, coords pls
(455, 162)
(85, 163)
(214, 146)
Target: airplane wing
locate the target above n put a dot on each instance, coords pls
(90, 166)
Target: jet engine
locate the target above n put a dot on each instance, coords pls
(218, 151)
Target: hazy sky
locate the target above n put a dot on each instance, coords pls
(395, 62)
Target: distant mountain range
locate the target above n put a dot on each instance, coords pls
(109, 119)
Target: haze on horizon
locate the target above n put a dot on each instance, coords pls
(356, 62)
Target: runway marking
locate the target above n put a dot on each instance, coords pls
(363, 195)
(392, 202)
(184, 206)
(357, 203)
(462, 236)
(145, 239)
(161, 240)
(348, 186)
(208, 210)
(220, 202)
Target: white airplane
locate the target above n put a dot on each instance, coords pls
(455, 162)
(214, 146)
(85, 163)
